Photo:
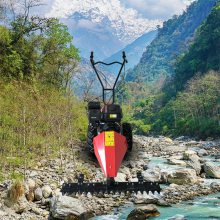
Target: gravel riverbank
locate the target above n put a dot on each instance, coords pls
(185, 168)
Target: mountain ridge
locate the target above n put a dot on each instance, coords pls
(134, 50)
(173, 39)
(123, 21)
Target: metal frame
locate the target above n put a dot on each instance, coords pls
(108, 64)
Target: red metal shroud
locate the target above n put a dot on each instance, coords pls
(110, 148)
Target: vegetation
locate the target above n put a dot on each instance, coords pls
(188, 103)
(39, 115)
(195, 111)
(203, 54)
(172, 40)
(16, 191)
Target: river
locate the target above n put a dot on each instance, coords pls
(200, 208)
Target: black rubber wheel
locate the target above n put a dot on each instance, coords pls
(92, 132)
(127, 132)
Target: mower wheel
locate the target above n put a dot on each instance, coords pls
(127, 132)
(92, 132)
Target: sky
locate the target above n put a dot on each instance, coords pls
(121, 20)
(149, 9)
(157, 9)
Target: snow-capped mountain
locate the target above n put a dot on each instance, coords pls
(125, 23)
(133, 51)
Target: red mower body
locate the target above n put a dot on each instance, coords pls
(110, 148)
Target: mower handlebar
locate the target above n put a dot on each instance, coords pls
(93, 62)
(92, 57)
(122, 64)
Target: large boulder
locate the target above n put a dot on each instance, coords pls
(182, 176)
(63, 207)
(152, 175)
(192, 160)
(194, 163)
(212, 170)
(143, 212)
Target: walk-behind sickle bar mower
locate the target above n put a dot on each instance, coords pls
(109, 139)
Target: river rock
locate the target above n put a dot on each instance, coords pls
(30, 196)
(183, 176)
(121, 177)
(194, 162)
(33, 173)
(215, 186)
(143, 212)
(145, 199)
(191, 143)
(168, 140)
(173, 185)
(187, 154)
(178, 217)
(2, 213)
(38, 194)
(46, 191)
(126, 171)
(202, 152)
(181, 138)
(174, 161)
(20, 206)
(152, 175)
(65, 206)
(31, 184)
(162, 202)
(211, 170)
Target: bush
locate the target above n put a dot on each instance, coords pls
(37, 121)
(16, 191)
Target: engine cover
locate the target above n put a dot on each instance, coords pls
(110, 148)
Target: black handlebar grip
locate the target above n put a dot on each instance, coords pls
(92, 55)
(124, 56)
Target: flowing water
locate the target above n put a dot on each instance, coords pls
(201, 208)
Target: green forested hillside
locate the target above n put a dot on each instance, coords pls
(204, 54)
(189, 102)
(39, 115)
(173, 39)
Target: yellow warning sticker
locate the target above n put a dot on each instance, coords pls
(109, 139)
(113, 116)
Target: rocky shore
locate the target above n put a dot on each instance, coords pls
(185, 168)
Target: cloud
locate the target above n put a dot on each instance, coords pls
(127, 23)
(160, 9)
(128, 19)
(150, 9)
